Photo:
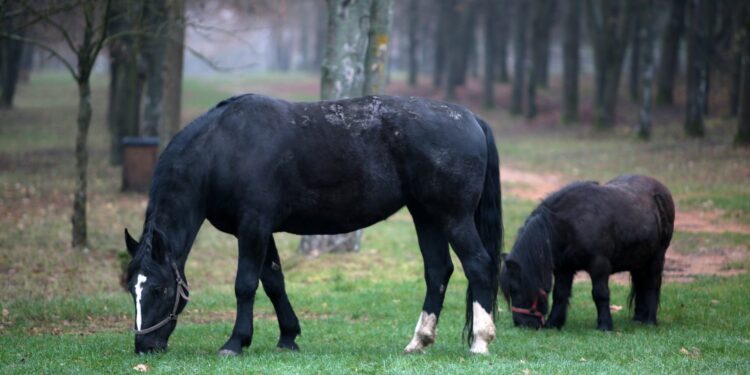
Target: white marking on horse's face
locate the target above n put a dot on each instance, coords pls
(483, 329)
(424, 333)
(138, 291)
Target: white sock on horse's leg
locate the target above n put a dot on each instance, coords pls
(483, 329)
(424, 333)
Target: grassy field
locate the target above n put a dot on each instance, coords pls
(64, 312)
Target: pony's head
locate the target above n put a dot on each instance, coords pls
(526, 275)
(159, 290)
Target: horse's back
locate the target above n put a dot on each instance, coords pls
(333, 166)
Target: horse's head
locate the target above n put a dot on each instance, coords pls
(527, 300)
(159, 291)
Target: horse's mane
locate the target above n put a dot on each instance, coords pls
(533, 250)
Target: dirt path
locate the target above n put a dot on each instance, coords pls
(679, 267)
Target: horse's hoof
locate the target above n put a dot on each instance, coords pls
(228, 353)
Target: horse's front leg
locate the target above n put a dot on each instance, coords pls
(560, 299)
(252, 248)
(599, 271)
(273, 283)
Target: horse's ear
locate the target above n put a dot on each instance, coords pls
(159, 246)
(130, 243)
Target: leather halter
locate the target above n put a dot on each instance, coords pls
(182, 291)
(532, 311)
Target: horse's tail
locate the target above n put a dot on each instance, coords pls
(489, 223)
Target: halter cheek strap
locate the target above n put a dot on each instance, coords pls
(182, 291)
(532, 311)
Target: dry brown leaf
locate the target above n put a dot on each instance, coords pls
(615, 308)
(141, 367)
(5, 313)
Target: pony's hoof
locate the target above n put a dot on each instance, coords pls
(290, 346)
(228, 353)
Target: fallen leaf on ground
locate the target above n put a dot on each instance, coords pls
(615, 308)
(714, 302)
(141, 367)
(583, 359)
(692, 353)
(526, 371)
(5, 313)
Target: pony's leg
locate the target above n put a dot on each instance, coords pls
(560, 298)
(647, 289)
(599, 270)
(272, 278)
(438, 268)
(252, 247)
(464, 238)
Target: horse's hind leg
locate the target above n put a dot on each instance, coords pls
(253, 242)
(438, 268)
(272, 278)
(647, 288)
(463, 236)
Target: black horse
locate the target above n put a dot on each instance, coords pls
(624, 225)
(254, 165)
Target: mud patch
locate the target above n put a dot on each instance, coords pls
(528, 185)
(682, 268)
(707, 222)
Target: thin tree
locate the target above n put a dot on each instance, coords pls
(12, 20)
(94, 34)
(502, 36)
(670, 47)
(635, 53)
(700, 13)
(413, 45)
(571, 59)
(490, 44)
(539, 43)
(519, 50)
(609, 27)
(461, 45)
(646, 35)
(174, 56)
(155, 19)
(743, 116)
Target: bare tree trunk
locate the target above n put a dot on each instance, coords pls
(609, 25)
(670, 48)
(376, 59)
(519, 49)
(460, 46)
(490, 44)
(699, 12)
(153, 56)
(635, 55)
(647, 35)
(441, 41)
(125, 95)
(571, 11)
(413, 20)
(321, 27)
(547, 16)
(10, 54)
(539, 41)
(78, 219)
(174, 56)
(502, 35)
(743, 116)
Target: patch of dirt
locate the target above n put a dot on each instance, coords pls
(528, 185)
(707, 222)
(682, 268)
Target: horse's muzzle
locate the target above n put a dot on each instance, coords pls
(145, 345)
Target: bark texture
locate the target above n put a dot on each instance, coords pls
(646, 35)
(519, 51)
(670, 48)
(174, 56)
(571, 59)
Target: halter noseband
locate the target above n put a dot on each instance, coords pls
(182, 291)
(532, 311)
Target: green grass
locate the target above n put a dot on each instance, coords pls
(63, 311)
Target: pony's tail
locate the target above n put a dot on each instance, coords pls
(665, 210)
(489, 223)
